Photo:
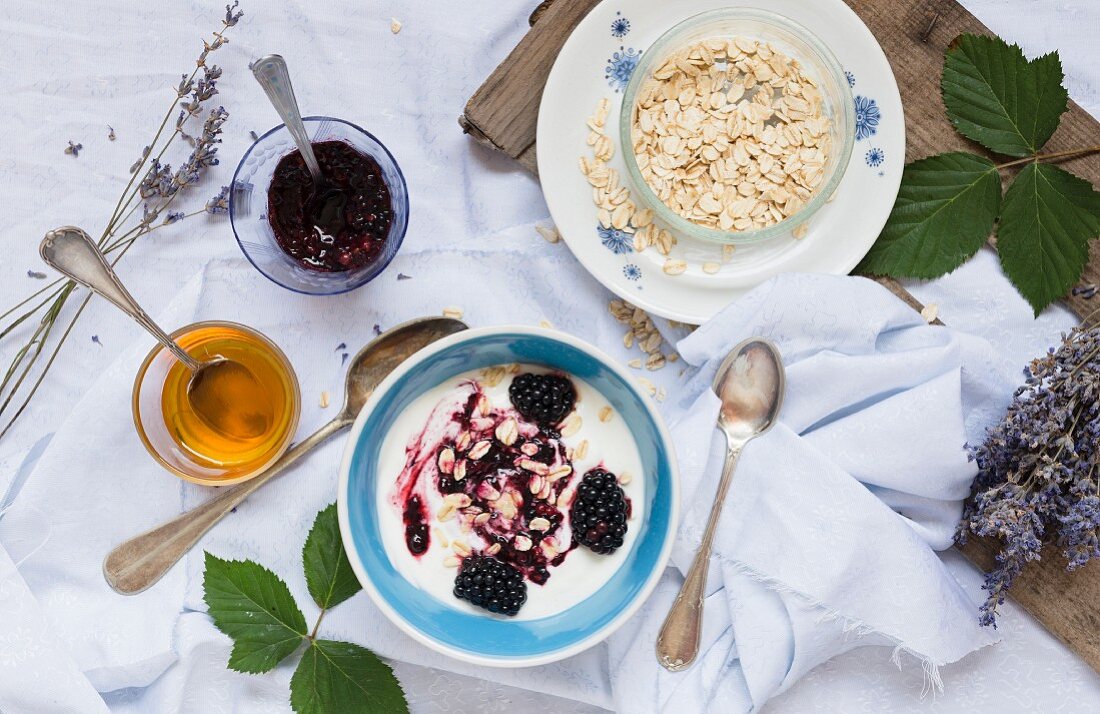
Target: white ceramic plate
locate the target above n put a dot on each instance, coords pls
(596, 62)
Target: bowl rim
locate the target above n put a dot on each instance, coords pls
(412, 363)
(817, 201)
(135, 407)
(380, 266)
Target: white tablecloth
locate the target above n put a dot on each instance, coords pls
(67, 70)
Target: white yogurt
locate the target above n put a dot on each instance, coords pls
(610, 444)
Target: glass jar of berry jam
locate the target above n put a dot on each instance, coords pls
(319, 242)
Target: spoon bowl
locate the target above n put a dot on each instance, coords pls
(750, 383)
(226, 395)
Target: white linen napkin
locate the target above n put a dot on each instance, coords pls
(826, 541)
(812, 557)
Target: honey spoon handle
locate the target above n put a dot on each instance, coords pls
(72, 252)
(678, 640)
(138, 563)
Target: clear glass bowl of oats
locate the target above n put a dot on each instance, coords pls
(737, 126)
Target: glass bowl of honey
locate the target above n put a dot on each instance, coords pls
(185, 442)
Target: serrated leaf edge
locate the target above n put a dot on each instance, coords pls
(863, 267)
(955, 47)
(342, 557)
(1038, 307)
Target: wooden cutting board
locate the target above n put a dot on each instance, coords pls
(503, 114)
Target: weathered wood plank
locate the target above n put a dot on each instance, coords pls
(504, 111)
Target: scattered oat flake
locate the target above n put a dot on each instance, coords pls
(547, 324)
(930, 312)
(453, 312)
(674, 266)
(324, 400)
(395, 25)
(635, 363)
(605, 414)
(550, 234)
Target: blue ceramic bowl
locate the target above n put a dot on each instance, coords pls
(485, 639)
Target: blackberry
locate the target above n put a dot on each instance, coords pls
(490, 584)
(598, 514)
(543, 398)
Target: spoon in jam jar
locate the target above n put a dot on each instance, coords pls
(223, 393)
(326, 205)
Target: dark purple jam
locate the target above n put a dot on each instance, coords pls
(345, 225)
(416, 526)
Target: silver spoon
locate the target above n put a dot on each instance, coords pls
(750, 383)
(141, 561)
(72, 252)
(327, 202)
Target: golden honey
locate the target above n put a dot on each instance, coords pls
(208, 447)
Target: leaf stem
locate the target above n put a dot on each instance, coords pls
(316, 625)
(1055, 155)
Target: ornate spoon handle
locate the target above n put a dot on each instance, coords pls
(72, 252)
(272, 74)
(678, 640)
(138, 563)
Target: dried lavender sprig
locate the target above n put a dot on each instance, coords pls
(1039, 468)
(201, 90)
(232, 17)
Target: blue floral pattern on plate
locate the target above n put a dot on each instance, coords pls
(615, 240)
(867, 117)
(620, 26)
(620, 66)
(631, 271)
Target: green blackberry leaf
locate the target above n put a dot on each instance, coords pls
(1048, 218)
(945, 211)
(253, 606)
(328, 572)
(346, 678)
(998, 98)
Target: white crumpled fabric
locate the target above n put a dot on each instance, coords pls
(811, 559)
(826, 542)
(69, 645)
